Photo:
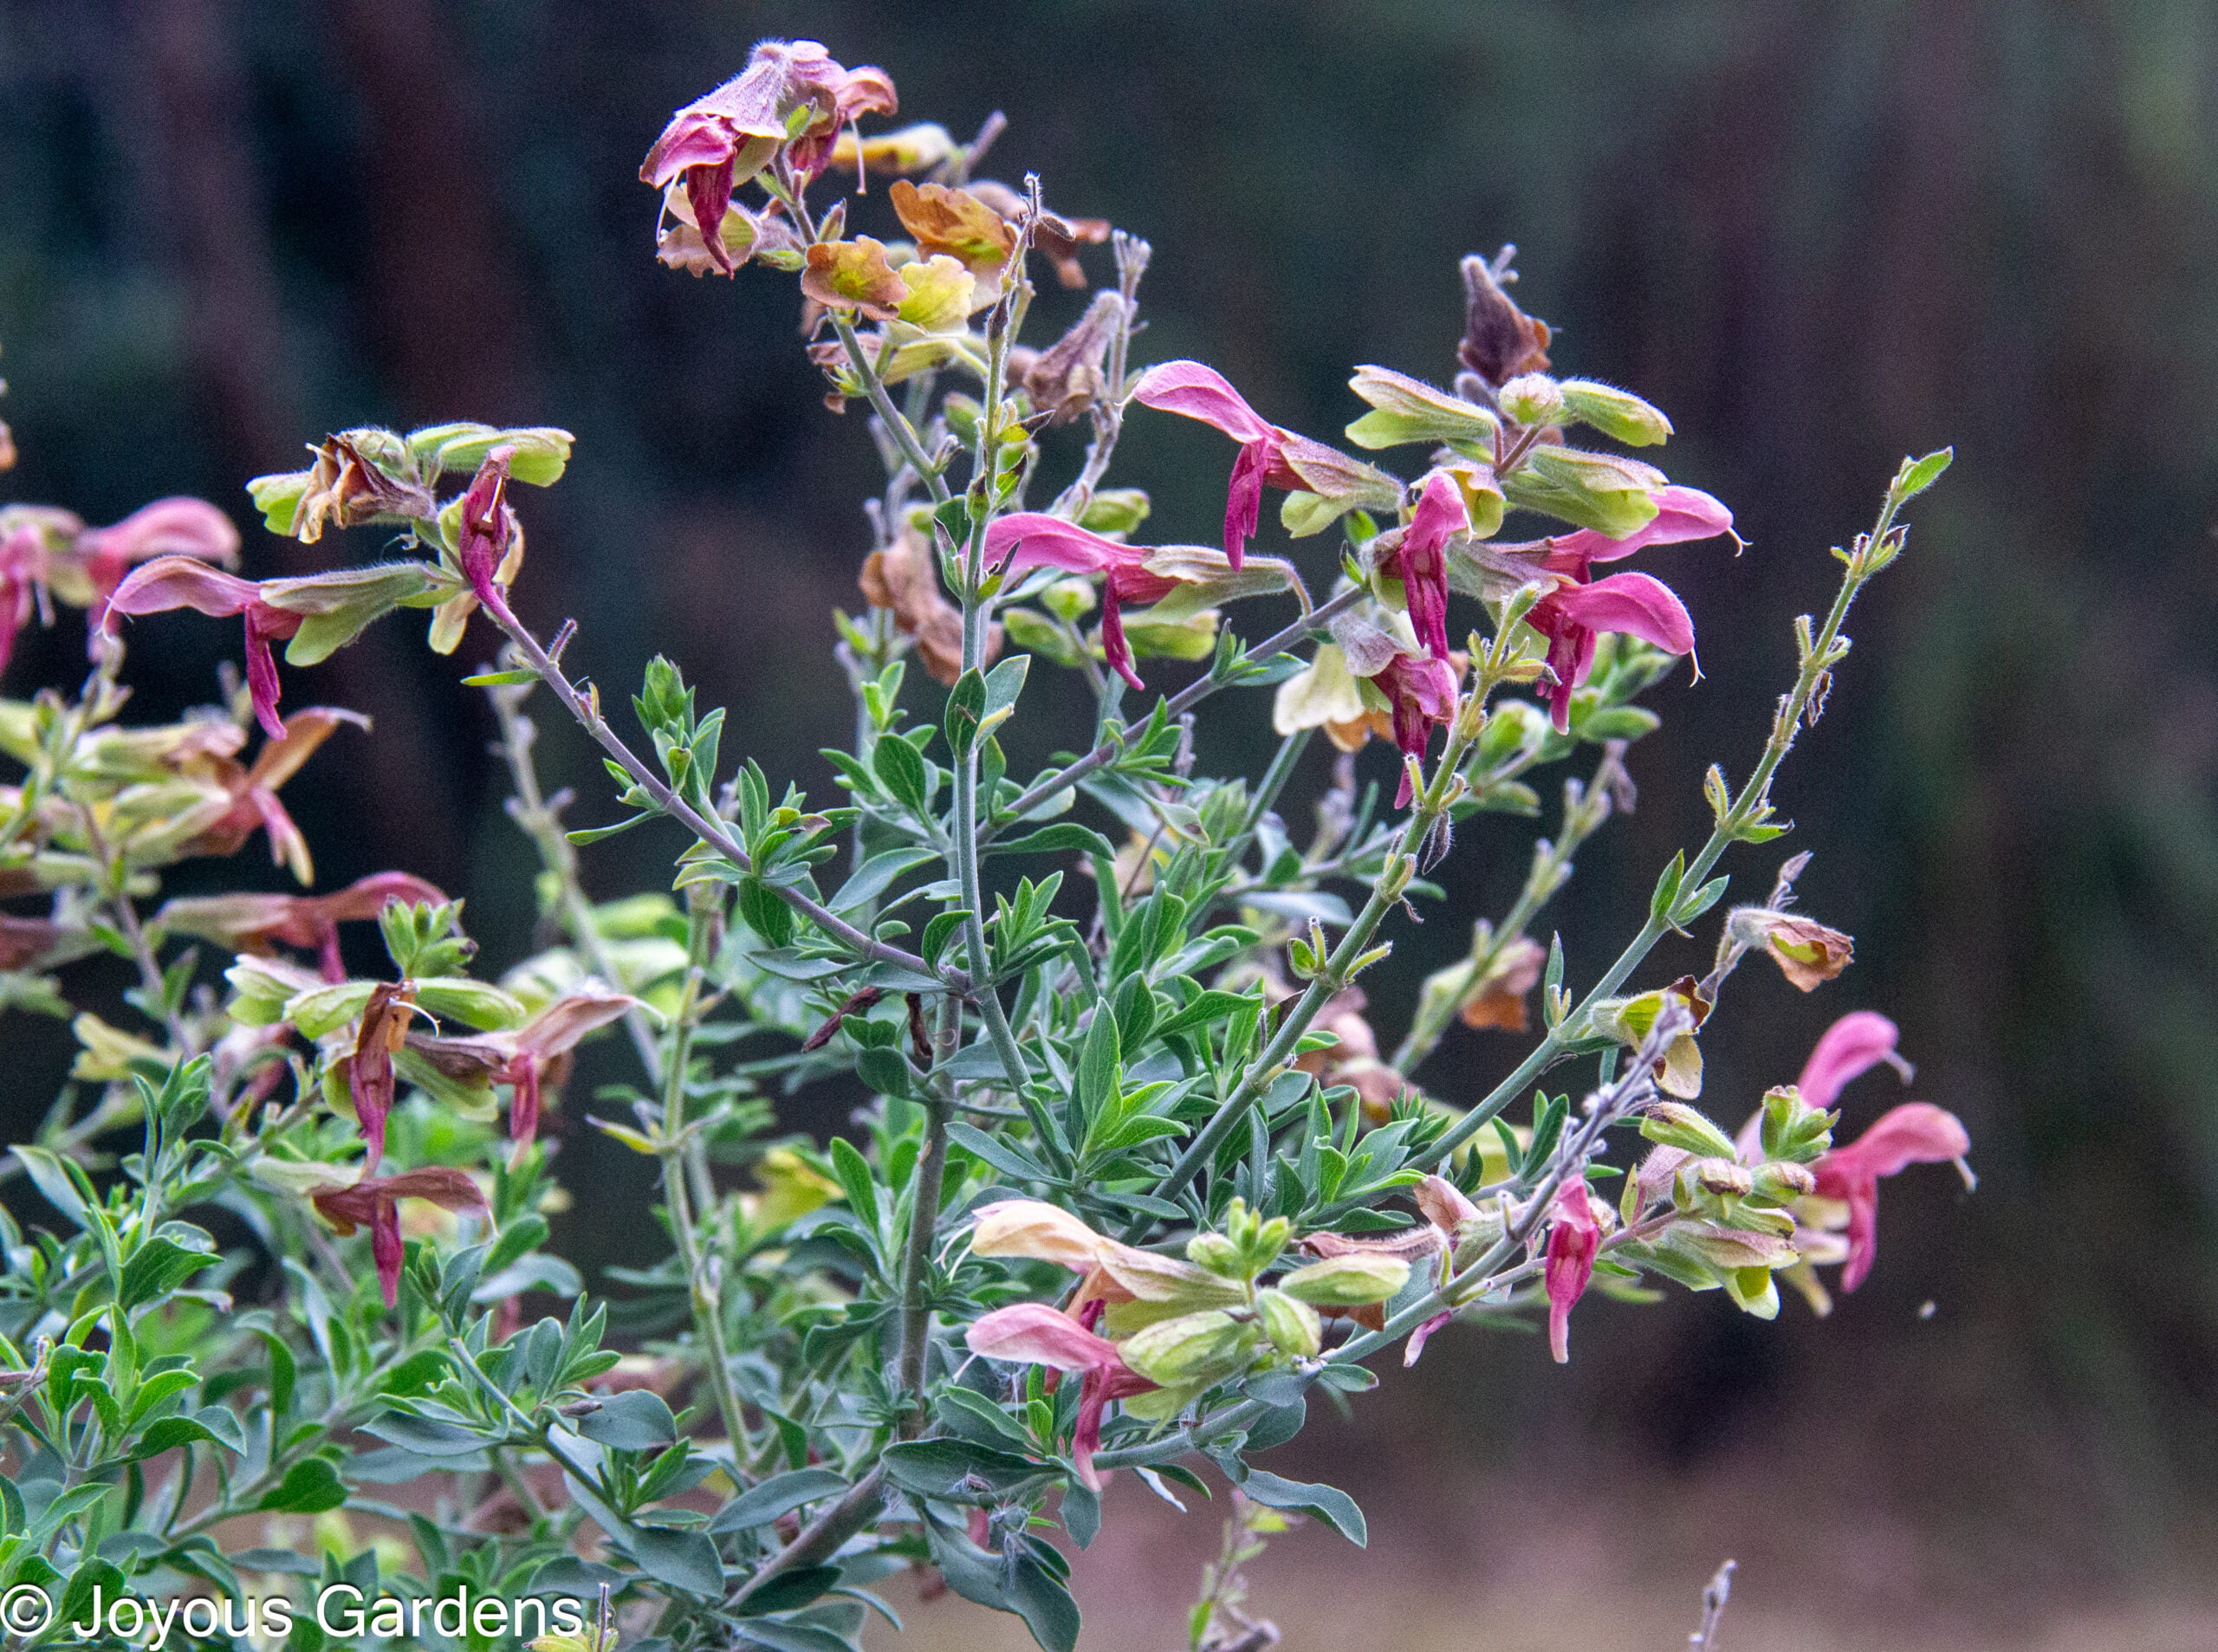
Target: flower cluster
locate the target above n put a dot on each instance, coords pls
(1139, 1171)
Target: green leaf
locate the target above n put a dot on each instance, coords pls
(684, 1560)
(501, 679)
(958, 1471)
(309, 1487)
(51, 1175)
(159, 1267)
(791, 1589)
(1098, 1060)
(585, 835)
(966, 707)
(1916, 478)
(899, 767)
(766, 914)
(1207, 1009)
(1064, 834)
(1329, 1504)
(635, 1419)
(780, 1494)
(1012, 1583)
(1001, 1154)
(872, 878)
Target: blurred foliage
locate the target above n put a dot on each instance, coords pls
(1823, 234)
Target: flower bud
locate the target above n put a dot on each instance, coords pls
(1617, 414)
(1792, 1129)
(1113, 511)
(1192, 1348)
(1292, 1325)
(1407, 410)
(1213, 1252)
(488, 1009)
(325, 1009)
(1533, 398)
(1726, 1177)
(1779, 1182)
(1673, 1124)
(1348, 1281)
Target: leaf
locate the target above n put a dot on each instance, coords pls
(789, 1590)
(870, 878)
(211, 1422)
(636, 1419)
(50, 1177)
(1206, 1009)
(899, 767)
(585, 835)
(425, 1437)
(780, 1494)
(1916, 478)
(1064, 834)
(958, 1471)
(501, 679)
(1015, 1583)
(157, 1268)
(309, 1487)
(1329, 1504)
(1002, 1155)
(1098, 1060)
(684, 1560)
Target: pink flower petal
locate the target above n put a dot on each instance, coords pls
(1681, 514)
(1851, 1047)
(1195, 391)
(1574, 1241)
(1034, 1334)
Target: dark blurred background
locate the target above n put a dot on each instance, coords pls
(1821, 236)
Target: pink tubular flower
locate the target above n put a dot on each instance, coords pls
(169, 582)
(374, 1203)
(255, 923)
(1681, 514)
(1916, 1132)
(1419, 560)
(717, 142)
(176, 526)
(1422, 691)
(1269, 455)
(21, 554)
(1571, 616)
(1574, 1241)
(1851, 1046)
(1032, 1333)
(1033, 539)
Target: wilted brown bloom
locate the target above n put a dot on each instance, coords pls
(1066, 379)
(1056, 237)
(1499, 340)
(955, 222)
(901, 577)
(347, 489)
(854, 275)
(1498, 997)
(1805, 951)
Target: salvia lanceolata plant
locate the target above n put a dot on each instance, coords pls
(1139, 1179)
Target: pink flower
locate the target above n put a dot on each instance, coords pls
(21, 555)
(1268, 455)
(1032, 1333)
(1851, 1046)
(1419, 560)
(719, 141)
(1681, 514)
(1421, 691)
(1916, 1132)
(254, 922)
(487, 525)
(1571, 616)
(374, 1202)
(1574, 1241)
(1032, 540)
(169, 582)
(176, 526)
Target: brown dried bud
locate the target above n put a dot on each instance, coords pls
(347, 489)
(1498, 998)
(1066, 379)
(1499, 340)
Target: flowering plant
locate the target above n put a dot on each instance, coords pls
(1138, 1175)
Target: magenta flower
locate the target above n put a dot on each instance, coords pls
(1572, 615)
(374, 1203)
(1419, 560)
(1574, 1241)
(169, 582)
(1916, 1132)
(487, 525)
(1681, 514)
(1421, 691)
(1032, 1333)
(1851, 1046)
(1032, 540)
(21, 555)
(1269, 455)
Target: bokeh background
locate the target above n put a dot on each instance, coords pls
(1820, 235)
